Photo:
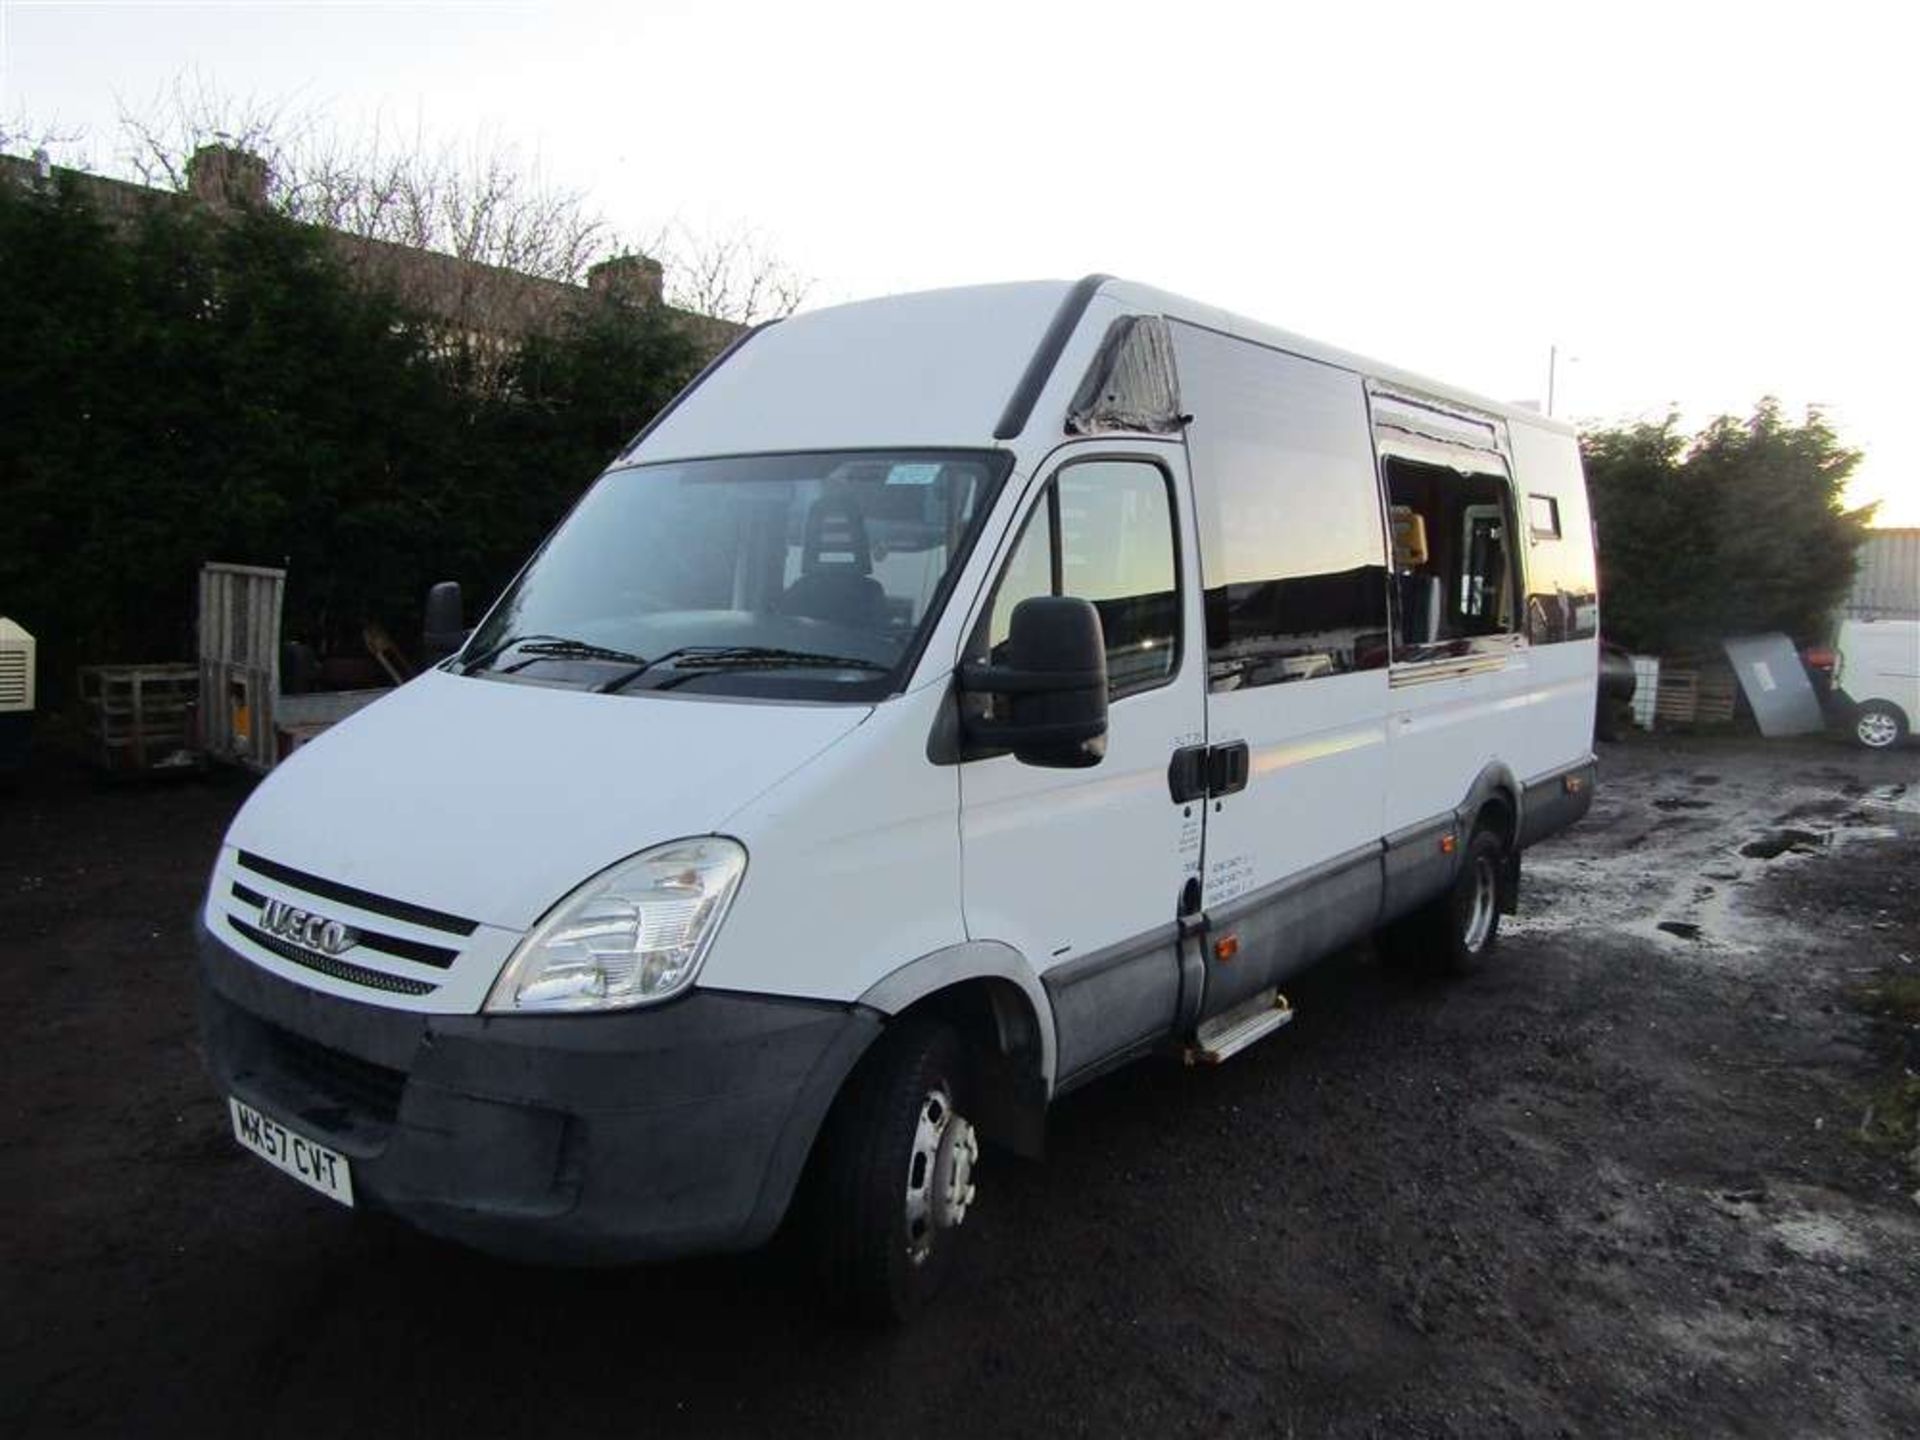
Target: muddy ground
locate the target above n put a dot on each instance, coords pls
(1623, 1182)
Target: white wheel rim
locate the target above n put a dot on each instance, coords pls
(1486, 893)
(1876, 729)
(939, 1173)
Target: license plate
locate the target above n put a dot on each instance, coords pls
(308, 1161)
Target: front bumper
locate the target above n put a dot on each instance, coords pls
(667, 1131)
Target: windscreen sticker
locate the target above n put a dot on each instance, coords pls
(913, 474)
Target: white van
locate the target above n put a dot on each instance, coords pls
(1876, 677)
(947, 699)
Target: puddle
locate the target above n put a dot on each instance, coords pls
(1778, 842)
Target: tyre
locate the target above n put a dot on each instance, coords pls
(1878, 725)
(1453, 933)
(894, 1176)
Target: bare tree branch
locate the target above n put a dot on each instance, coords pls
(731, 274)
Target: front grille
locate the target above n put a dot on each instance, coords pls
(362, 1087)
(436, 955)
(330, 965)
(13, 677)
(359, 899)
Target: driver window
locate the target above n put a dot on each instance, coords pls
(1103, 531)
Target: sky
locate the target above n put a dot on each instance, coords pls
(1691, 204)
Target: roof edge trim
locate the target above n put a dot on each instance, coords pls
(1040, 368)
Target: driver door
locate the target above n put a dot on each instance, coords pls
(1082, 870)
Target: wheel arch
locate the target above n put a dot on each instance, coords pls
(991, 996)
(1494, 789)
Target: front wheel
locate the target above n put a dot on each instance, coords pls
(895, 1175)
(1878, 725)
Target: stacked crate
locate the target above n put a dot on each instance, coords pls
(141, 717)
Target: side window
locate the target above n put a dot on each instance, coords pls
(1543, 517)
(1116, 549)
(1288, 503)
(1028, 573)
(1453, 558)
(1103, 531)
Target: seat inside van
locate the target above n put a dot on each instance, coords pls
(836, 581)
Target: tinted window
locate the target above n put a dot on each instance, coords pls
(1103, 532)
(1562, 603)
(1116, 549)
(1291, 546)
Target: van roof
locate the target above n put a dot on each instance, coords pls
(940, 368)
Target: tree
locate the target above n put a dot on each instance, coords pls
(1738, 529)
(189, 384)
(732, 275)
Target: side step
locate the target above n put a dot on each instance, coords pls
(1229, 1033)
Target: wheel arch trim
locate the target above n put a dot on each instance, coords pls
(955, 965)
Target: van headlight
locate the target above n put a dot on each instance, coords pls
(631, 935)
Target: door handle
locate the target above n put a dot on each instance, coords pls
(1187, 774)
(1227, 768)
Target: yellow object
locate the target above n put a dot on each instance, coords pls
(1409, 537)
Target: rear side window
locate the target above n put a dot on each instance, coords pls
(1562, 598)
(1103, 531)
(1543, 517)
(1291, 546)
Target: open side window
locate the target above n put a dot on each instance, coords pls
(1455, 564)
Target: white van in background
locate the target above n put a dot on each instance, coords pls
(1876, 678)
(947, 699)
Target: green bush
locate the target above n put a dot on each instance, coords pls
(189, 385)
(1739, 529)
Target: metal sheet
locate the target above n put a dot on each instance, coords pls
(1776, 684)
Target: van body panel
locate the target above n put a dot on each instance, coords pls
(491, 799)
(854, 865)
(1880, 660)
(932, 369)
(1081, 870)
(1296, 430)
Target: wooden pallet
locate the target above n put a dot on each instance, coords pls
(140, 716)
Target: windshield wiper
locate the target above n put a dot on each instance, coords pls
(703, 659)
(550, 647)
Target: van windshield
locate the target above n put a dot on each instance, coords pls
(806, 576)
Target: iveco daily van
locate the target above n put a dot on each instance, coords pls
(947, 699)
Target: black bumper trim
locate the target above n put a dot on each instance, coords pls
(1553, 802)
(673, 1130)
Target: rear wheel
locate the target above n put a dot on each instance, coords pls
(1455, 931)
(895, 1175)
(1878, 725)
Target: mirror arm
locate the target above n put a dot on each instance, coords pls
(998, 736)
(980, 679)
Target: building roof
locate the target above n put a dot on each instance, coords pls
(1886, 584)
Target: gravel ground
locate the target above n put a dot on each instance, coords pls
(1622, 1182)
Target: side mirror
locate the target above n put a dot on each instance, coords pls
(1054, 682)
(444, 628)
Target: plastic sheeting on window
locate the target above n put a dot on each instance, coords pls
(1132, 383)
